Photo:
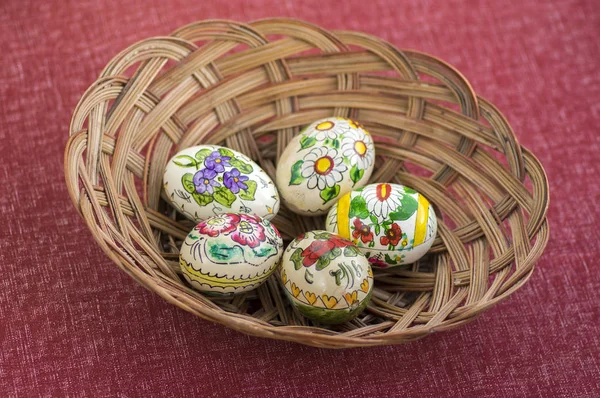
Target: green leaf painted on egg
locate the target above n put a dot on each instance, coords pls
(264, 251)
(224, 196)
(322, 263)
(329, 193)
(248, 194)
(356, 174)
(222, 253)
(307, 141)
(202, 199)
(409, 190)
(322, 235)
(350, 251)
(242, 166)
(296, 258)
(203, 154)
(358, 208)
(335, 253)
(185, 161)
(226, 152)
(333, 143)
(296, 178)
(389, 260)
(187, 180)
(408, 206)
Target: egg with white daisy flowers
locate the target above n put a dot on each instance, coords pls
(390, 223)
(326, 160)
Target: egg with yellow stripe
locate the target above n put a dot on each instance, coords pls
(390, 223)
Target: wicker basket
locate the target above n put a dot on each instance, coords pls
(251, 87)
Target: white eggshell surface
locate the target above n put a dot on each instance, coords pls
(206, 180)
(230, 253)
(392, 224)
(329, 158)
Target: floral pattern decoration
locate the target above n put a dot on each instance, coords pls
(219, 177)
(377, 210)
(356, 149)
(362, 231)
(204, 181)
(385, 260)
(318, 256)
(339, 144)
(235, 181)
(244, 229)
(323, 168)
(249, 231)
(230, 253)
(218, 225)
(320, 252)
(328, 248)
(392, 235)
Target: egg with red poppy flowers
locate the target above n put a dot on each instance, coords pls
(230, 253)
(326, 277)
(205, 180)
(329, 158)
(390, 223)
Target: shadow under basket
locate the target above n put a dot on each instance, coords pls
(251, 87)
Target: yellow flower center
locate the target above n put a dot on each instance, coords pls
(236, 179)
(404, 242)
(206, 182)
(360, 147)
(324, 126)
(324, 165)
(245, 227)
(383, 192)
(218, 160)
(216, 221)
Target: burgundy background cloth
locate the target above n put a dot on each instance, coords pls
(71, 323)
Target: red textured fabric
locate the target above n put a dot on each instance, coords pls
(71, 323)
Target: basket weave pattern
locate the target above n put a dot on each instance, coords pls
(251, 87)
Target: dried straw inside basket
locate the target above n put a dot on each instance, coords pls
(251, 87)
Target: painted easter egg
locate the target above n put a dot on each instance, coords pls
(330, 157)
(230, 253)
(390, 223)
(206, 180)
(326, 277)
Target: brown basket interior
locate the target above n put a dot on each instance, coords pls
(251, 87)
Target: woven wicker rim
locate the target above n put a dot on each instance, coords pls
(251, 87)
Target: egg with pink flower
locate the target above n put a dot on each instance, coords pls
(206, 180)
(326, 277)
(230, 253)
